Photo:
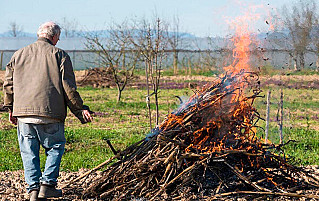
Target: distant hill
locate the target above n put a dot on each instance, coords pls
(267, 40)
(20, 34)
(79, 34)
(76, 42)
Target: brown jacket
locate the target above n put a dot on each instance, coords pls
(40, 81)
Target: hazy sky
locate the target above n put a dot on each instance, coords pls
(199, 17)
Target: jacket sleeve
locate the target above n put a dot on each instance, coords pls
(71, 95)
(8, 86)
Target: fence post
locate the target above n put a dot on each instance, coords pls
(281, 115)
(1, 60)
(267, 116)
(74, 64)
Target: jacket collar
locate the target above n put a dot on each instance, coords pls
(45, 40)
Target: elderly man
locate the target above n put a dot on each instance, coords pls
(39, 85)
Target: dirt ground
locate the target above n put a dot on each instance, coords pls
(12, 187)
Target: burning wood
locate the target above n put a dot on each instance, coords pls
(207, 148)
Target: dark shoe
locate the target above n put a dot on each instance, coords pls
(47, 191)
(34, 195)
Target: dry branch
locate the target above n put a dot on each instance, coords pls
(206, 148)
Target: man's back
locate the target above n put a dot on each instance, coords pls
(42, 74)
(37, 81)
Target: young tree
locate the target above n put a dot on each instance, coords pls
(151, 42)
(208, 56)
(299, 21)
(15, 30)
(315, 40)
(174, 40)
(116, 53)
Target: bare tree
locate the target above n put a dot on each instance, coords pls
(299, 21)
(174, 40)
(116, 54)
(69, 27)
(208, 55)
(15, 30)
(151, 42)
(206, 60)
(315, 40)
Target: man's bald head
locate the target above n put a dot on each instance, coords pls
(48, 30)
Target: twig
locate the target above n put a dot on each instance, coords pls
(118, 155)
(92, 170)
(245, 179)
(110, 145)
(177, 177)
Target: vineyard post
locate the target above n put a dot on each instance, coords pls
(267, 116)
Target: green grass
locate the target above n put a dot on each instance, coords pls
(91, 148)
(303, 143)
(127, 122)
(300, 122)
(304, 72)
(9, 151)
(306, 147)
(85, 147)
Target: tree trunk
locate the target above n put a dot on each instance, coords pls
(294, 56)
(302, 60)
(295, 64)
(119, 94)
(175, 62)
(148, 102)
(317, 64)
(189, 67)
(157, 108)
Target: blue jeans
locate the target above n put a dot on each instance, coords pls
(52, 139)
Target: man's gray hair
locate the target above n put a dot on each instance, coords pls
(48, 30)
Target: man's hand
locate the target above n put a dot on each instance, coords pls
(13, 119)
(87, 116)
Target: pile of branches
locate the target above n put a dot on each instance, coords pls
(206, 149)
(97, 77)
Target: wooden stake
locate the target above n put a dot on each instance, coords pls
(267, 116)
(1, 60)
(281, 115)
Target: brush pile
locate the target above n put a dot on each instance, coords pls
(206, 149)
(96, 77)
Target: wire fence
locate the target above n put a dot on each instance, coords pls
(196, 59)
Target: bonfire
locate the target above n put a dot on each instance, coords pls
(208, 148)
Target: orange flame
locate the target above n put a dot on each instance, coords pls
(221, 110)
(241, 40)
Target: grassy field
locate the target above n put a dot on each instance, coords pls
(127, 122)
